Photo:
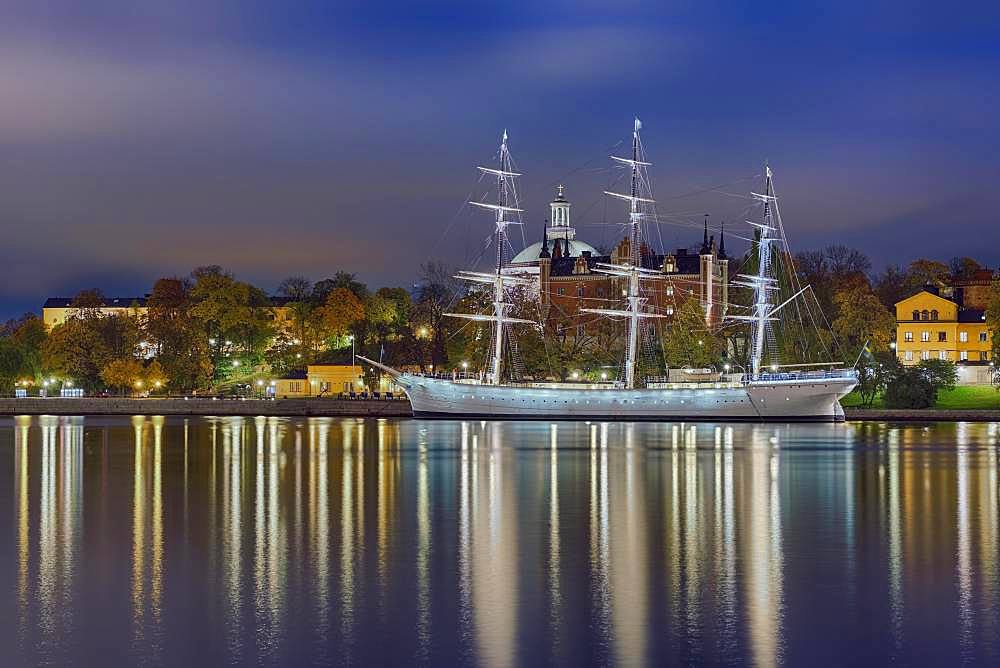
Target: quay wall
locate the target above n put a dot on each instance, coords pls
(252, 407)
(921, 415)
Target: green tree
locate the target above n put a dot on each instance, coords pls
(909, 387)
(874, 373)
(342, 310)
(81, 347)
(178, 338)
(688, 342)
(861, 317)
(993, 321)
(963, 267)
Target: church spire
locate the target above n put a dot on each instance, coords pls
(722, 242)
(705, 247)
(545, 242)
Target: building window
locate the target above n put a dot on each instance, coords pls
(581, 330)
(982, 337)
(964, 355)
(963, 337)
(943, 355)
(670, 291)
(934, 314)
(579, 291)
(670, 310)
(295, 387)
(908, 355)
(561, 291)
(924, 314)
(942, 336)
(925, 336)
(908, 336)
(916, 314)
(983, 355)
(600, 292)
(925, 354)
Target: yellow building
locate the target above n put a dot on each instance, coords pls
(929, 326)
(320, 380)
(58, 310)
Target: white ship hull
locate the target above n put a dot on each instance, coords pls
(813, 399)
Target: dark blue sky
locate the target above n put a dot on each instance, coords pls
(277, 138)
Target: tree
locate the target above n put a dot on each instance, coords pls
(179, 340)
(892, 286)
(861, 318)
(341, 311)
(926, 272)
(122, 373)
(829, 269)
(27, 335)
(963, 268)
(942, 374)
(993, 321)
(81, 347)
(155, 377)
(874, 373)
(909, 387)
(688, 342)
(436, 290)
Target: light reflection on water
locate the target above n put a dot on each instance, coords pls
(265, 540)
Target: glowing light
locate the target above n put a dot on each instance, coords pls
(236, 362)
(575, 375)
(272, 383)
(229, 343)
(298, 356)
(604, 375)
(422, 331)
(465, 365)
(69, 383)
(260, 383)
(774, 367)
(725, 367)
(138, 383)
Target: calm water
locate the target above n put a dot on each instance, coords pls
(283, 541)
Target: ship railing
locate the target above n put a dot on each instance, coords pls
(824, 374)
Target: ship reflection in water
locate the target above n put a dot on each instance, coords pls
(278, 541)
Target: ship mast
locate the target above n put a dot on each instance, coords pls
(763, 283)
(633, 269)
(498, 279)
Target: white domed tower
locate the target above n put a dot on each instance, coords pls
(558, 229)
(559, 218)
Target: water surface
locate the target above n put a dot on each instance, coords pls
(176, 541)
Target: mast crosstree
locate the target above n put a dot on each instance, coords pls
(498, 279)
(633, 269)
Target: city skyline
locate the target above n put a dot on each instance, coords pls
(276, 141)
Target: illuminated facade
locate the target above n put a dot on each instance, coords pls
(929, 326)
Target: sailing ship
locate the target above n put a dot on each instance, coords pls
(764, 391)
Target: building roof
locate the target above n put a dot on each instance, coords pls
(107, 302)
(127, 302)
(688, 264)
(298, 374)
(971, 315)
(532, 252)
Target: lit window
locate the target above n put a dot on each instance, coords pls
(964, 355)
(908, 336)
(561, 291)
(963, 337)
(670, 310)
(943, 355)
(925, 354)
(670, 291)
(925, 336)
(908, 356)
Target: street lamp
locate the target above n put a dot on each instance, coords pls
(351, 337)
(236, 363)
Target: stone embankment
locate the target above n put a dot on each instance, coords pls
(277, 407)
(921, 415)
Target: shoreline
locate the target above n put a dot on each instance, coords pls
(367, 408)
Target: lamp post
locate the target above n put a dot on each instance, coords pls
(351, 337)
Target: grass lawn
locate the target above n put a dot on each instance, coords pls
(965, 397)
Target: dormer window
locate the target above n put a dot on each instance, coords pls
(924, 314)
(916, 314)
(934, 314)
